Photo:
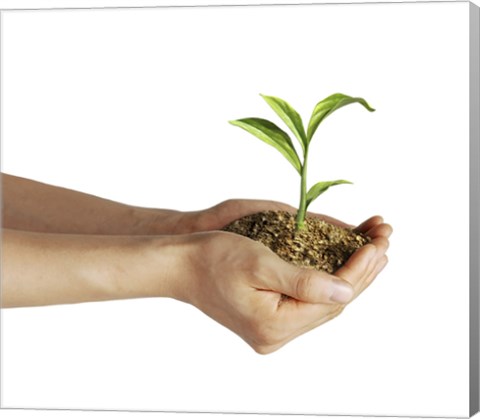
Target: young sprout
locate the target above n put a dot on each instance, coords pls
(271, 134)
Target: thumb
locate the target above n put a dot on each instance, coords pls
(312, 286)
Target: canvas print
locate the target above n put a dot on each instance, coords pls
(157, 257)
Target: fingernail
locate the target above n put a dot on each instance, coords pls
(342, 292)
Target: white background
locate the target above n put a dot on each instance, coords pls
(133, 105)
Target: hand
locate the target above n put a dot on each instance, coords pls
(219, 216)
(240, 283)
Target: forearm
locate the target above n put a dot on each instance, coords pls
(42, 269)
(35, 206)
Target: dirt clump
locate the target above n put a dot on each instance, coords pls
(320, 245)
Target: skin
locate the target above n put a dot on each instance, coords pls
(81, 248)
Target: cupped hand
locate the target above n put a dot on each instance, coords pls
(241, 284)
(220, 215)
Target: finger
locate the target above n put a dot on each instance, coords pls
(382, 244)
(317, 314)
(384, 230)
(358, 265)
(375, 266)
(309, 316)
(334, 312)
(378, 268)
(307, 285)
(301, 318)
(369, 224)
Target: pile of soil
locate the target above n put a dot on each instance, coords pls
(320, 245)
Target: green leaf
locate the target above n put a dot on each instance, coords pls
(290, 116)
(329, 105)
(320, 187)
(268, 132)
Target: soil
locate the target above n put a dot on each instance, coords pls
(320, 245)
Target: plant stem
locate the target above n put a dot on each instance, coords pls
(302, 209)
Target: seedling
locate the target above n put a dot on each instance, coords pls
(271, 134)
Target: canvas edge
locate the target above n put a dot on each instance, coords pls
(474, 16)
(474, 194)
(1, 201)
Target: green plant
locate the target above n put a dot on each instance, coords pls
(271, 134)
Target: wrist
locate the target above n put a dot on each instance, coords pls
(152, 221)
(148, 266)
(158, 221)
